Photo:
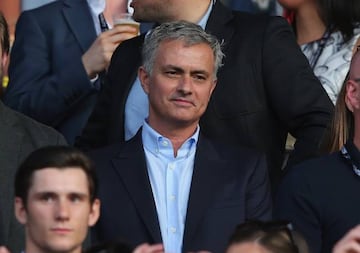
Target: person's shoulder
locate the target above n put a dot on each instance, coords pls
(325, 167)
(255, 17)
(33, 131)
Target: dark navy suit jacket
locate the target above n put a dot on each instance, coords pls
(228, 186)
(48, 81)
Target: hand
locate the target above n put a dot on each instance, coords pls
(3, 249)
(350, 243)
(147, 248)
(97, 57)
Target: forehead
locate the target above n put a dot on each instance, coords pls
(355, 65)
(70, 179)
(170, 51)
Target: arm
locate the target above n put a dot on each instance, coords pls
(296, 96)
(49, 72)
(258, 194)
(108, 114)
(45, 81)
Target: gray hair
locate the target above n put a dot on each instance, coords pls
(189, 33)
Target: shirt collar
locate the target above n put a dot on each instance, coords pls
(96, 6)
(205, 18)
(156, 143)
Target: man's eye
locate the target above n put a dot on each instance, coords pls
(75, 198)
(171, 73)
(47, 198)
(200, 77)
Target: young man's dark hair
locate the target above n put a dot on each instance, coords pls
(60, 157)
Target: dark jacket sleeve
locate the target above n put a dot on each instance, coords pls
(47, 77)
(294, 92)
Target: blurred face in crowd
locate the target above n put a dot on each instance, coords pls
(161, 11)
(58, 211)
(155, 10)
(352, 95)
(180, 85)
(3, 62)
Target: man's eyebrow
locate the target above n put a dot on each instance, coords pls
(166, 67)
(52, 193)
(204, 72)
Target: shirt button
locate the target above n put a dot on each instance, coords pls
(172, 197)
(171, 166)
(173, 230)
(165, 143)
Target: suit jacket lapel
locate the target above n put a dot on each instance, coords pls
(131, 166)
(83, 31)
(217, 23)
(207, 176)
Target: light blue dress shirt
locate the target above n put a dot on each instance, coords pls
(137, 104)
(170, 179)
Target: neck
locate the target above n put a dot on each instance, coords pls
(112, 7)
(177, 133)
(194, 11)
(309, 25)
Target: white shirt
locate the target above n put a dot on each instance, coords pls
(170, 179)
(98, 6)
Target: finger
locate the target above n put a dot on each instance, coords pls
(125, 28)
(349, 247)
(3, 249)
(146, 248)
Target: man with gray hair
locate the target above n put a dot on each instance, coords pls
(170, 184)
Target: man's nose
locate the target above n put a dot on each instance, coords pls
(62, 210)
(185, 84)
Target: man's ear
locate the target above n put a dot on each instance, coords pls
(214, 86)
(20, 210)
(352, 95)
(94, 212)
(144, 79)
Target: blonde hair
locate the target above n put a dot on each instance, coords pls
(342, 125)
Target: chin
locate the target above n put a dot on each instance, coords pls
(62, 246)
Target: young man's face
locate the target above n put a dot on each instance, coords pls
(58, 211)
